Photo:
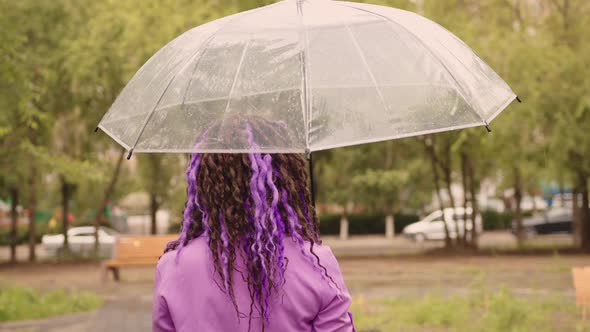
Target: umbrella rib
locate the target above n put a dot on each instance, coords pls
(231, 90)
(201, 48)
(190, 80)
(145, 122)
(305, 89)
(233, 84)
(366, 64)
(383, 17)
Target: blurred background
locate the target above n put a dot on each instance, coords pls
(500, 261)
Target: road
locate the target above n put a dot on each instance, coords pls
(376, 245)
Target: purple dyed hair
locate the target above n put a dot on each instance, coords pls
(274, 204)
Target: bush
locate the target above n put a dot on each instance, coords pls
(362, 224)
(358, 224)
(174, 227)
(493, 220)
(22, 234)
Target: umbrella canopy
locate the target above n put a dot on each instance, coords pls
(332, 73)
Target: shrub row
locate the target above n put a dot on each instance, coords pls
(360, 224)
(22, 234)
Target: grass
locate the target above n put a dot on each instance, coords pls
(481, 309)
(19, 302)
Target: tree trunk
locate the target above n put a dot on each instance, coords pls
(517, 210)
(561, 191)
(13, 223)
(447, 170)
(584, 211)
(32, 211)
(473, 186)
(344, 227)
(585, 218)
(105, 199)
(153, 212)
(465, 195)
(577, 225)
(389, 219)
(389, 224)
(65, 196)
(432, 154)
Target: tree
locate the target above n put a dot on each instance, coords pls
(157, 172)
(567, 26)
(334, 173)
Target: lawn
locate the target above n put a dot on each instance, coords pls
(19, 302)
(478, 309)
(403, 293)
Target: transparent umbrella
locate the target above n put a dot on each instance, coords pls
(332, 73)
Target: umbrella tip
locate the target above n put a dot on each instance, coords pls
(96, 129)
(130, 153)
(518, 99)
(488, 127)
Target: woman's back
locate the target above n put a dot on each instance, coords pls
(188, 295)
(248, 256)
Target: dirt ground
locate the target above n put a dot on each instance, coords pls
(381, 276)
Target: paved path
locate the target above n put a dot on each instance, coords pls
(128, 314)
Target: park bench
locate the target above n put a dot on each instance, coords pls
(135, 250)
(582, 285)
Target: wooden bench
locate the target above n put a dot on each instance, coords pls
(582, 285)
(135, 250)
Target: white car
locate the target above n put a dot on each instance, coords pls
(530, 203)
(81, 241)
(433, 228)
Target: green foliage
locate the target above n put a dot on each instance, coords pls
(379, 186)
(64, 62)
(19, 302)
(22, 234)
(496, 220)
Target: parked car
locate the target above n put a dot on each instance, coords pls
(565, 200)
(556, 220)
(533, 203)
(432, 227)
(81, 241)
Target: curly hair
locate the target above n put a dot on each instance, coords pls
(246, 204)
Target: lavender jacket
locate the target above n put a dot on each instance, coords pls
(186, 297)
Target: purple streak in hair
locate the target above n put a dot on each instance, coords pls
(306, 214)
(224, 253)
(278, 228)
(267, 167)
(262, 236)
(192, 200)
